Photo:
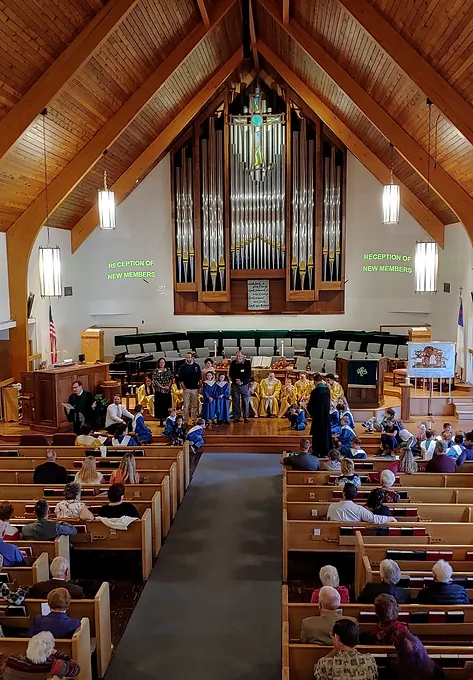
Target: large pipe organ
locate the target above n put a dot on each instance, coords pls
(258, 189)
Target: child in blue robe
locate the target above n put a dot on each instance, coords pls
(296, 417)
(223, 399)
(196, 435)
(170, 421)
(345, 437)
(334, 420)
(143, 432)
(344, 410)
(209, 394)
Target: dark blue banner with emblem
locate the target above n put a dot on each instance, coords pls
(362, 373)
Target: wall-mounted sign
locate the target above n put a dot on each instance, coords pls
(139, 271)
(258, 295)
(387, 262)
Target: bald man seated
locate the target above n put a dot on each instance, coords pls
(50, 472)
(316, 630)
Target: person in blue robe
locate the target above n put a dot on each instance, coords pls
(334, 420)
(143, 432)
(170, 422)
(196, 435)
(209, 394)
(345, 437)
(223, 400)
(296, 417)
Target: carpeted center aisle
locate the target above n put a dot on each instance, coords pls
(211, 609)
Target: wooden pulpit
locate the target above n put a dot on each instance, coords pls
(363, 381)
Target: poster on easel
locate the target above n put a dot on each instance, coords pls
(431, 359)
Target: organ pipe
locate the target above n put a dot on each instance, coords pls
(332, 226)
(184, 220)
(213, 225)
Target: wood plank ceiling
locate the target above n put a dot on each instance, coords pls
(33, 35)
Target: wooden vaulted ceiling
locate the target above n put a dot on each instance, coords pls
(375, 94)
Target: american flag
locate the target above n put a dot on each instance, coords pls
(52, 337)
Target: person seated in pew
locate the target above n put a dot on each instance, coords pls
(126, 473)
(376, 503)
(60, 570)
(57, 621)
(443, 591)
(456, 449)
(441, 462)
(332, 462)
(412, 661)
(388, 627)
(348, 511)
(196, 435)
(44, 529)
(170, 422)
(348, 475)
(142, 432)
(72, 507)
(356, 452)
(10, 553)
(50, 472)
(387, 479)
(122, 438)
(467, 453)
(302, 459)
(317, 630)
(328, 576)
(427, 447)
(390, 575)
(296, 417)
(178, 433)
(41, 661)
(344, 662)
(6, 513)
(88, 474)
(88, 439)
(117, 507)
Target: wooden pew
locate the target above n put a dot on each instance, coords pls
(97, 611)
(309, 492)
(428, 512)
(57, 548)
(27, 576)
(453, 480)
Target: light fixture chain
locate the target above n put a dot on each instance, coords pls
(46, 194)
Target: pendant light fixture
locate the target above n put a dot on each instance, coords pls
(391, 197)
(426, 255)
(49, 256)
(106, 203)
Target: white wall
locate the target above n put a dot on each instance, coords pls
(144, 233)
(4, 299)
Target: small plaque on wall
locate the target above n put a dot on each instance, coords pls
(258, 295)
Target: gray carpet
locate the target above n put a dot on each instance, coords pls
(211, 609)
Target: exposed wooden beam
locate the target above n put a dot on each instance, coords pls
(286, 11)
(61, 71)
(410, 202)
(427, 79)
(125, 184)
(253, 37)
(441, 181)
(204, 12)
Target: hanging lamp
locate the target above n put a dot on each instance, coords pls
(426, 255)
(106, 205)
(391, 197)
(49, 257)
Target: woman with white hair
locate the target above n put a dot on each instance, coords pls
(387, 480)
(390, 575)
(328, 576)
(443, 591)
(41, 661)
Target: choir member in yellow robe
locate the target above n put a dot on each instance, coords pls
(255, 397)
(288, 397)
(270, 389)
(336, 390)
(177, 397)
(145, 395)
(303, 389)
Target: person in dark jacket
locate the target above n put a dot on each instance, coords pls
(303, 459)
(239, 374)
(467, 453)
(390, 576)
(44, 529)
(376, 503)
(50, 472)
(441, 462)
(443, 591)
(59, 569)
(57, 621)
(190, 378)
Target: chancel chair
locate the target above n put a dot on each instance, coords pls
(265, 351)
(329, 354)
(317, 365)
(247, 342)
(344, 354)
(299, 344)
(390, 351)
(33, 440)
(167, 346)
(230, 351)
(316, 352)
(354, 346)
(183, 345)
(288, 352)
(63, 439)
(323, 343)
(230, 342)
(331, 366)
(359, 355)
(202, 352)
(249, 351)
(302, 363)
(374, 347)
(402, 352)
(340, 345)
(210, 343)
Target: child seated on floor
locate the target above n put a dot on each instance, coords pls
(178, 433)
(345, 437)
(196, 435)
(355, 450)
(296, 417)
(170, 422)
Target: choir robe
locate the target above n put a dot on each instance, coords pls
(335, 422)
(288, 398)
(268, 389)
(169, 426)
(297, 420)
(141, 430)
(255, 397)
(176, 397)
(209, 408)
(303, 391)
(345, 437)
(223, 402)
(195, 436)
(351, 422)
(336, 392)
(144, 399)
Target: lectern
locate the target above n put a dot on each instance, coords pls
(363, 381)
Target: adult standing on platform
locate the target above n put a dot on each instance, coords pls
(190, 377)
(162, 382)
(81, 407)
(240, 374)
(319, 410)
